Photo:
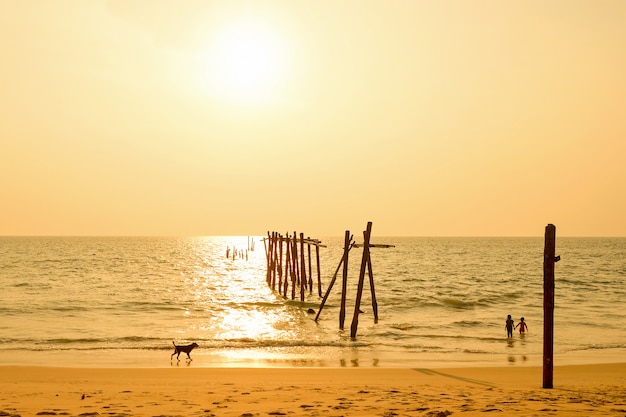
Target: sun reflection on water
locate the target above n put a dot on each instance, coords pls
(227, 291)
(249, 324)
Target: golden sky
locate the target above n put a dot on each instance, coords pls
(428, 118)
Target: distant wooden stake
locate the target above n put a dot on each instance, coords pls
(357, 304)
(548, 305)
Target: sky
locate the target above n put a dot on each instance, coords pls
(427, 118)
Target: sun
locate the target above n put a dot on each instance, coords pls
(246, 63)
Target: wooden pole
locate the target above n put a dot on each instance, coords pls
(344, 259)
(319, 273)
(302, 268)
(274, 258)
(308, 249)
(268, 253)
(294, 261)
(296, 257)
(287, 266)
(344, 283)
(548, 305)
(359, 292)
(373, 291)
(279, 266)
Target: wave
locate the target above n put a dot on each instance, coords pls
(147, 343)
(385, 336)
(403, 326)
(461, 304)
(592, 347)
(70, 308)
(469, 323)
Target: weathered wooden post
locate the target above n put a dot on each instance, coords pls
(372, 290)
(287, 265)
(549, 259)
(344, 283)
(319, 272)
(279, 266)
(283, 250)
(357, 304)
(302, 268)
(308, 249)
(344, 260)
(268, 255)
(274, 258)
(294, 261)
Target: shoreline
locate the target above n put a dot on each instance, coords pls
(578, 390)
(279, 358)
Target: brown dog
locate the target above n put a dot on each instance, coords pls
(179, 349)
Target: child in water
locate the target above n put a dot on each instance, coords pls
(523, 327)
(509, 326)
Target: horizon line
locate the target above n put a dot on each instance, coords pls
(253, 235)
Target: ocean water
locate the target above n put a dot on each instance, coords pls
(442, 302)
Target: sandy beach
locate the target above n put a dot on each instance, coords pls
(186, 391)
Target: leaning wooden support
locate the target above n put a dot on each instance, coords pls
(344, 260)
(357, 304)
(371, 275)
(372, 290)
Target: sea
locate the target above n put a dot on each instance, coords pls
(441, 302)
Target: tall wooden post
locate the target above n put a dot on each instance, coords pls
(548, 304)
(357, 304)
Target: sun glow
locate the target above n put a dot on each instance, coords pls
(246, 63)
